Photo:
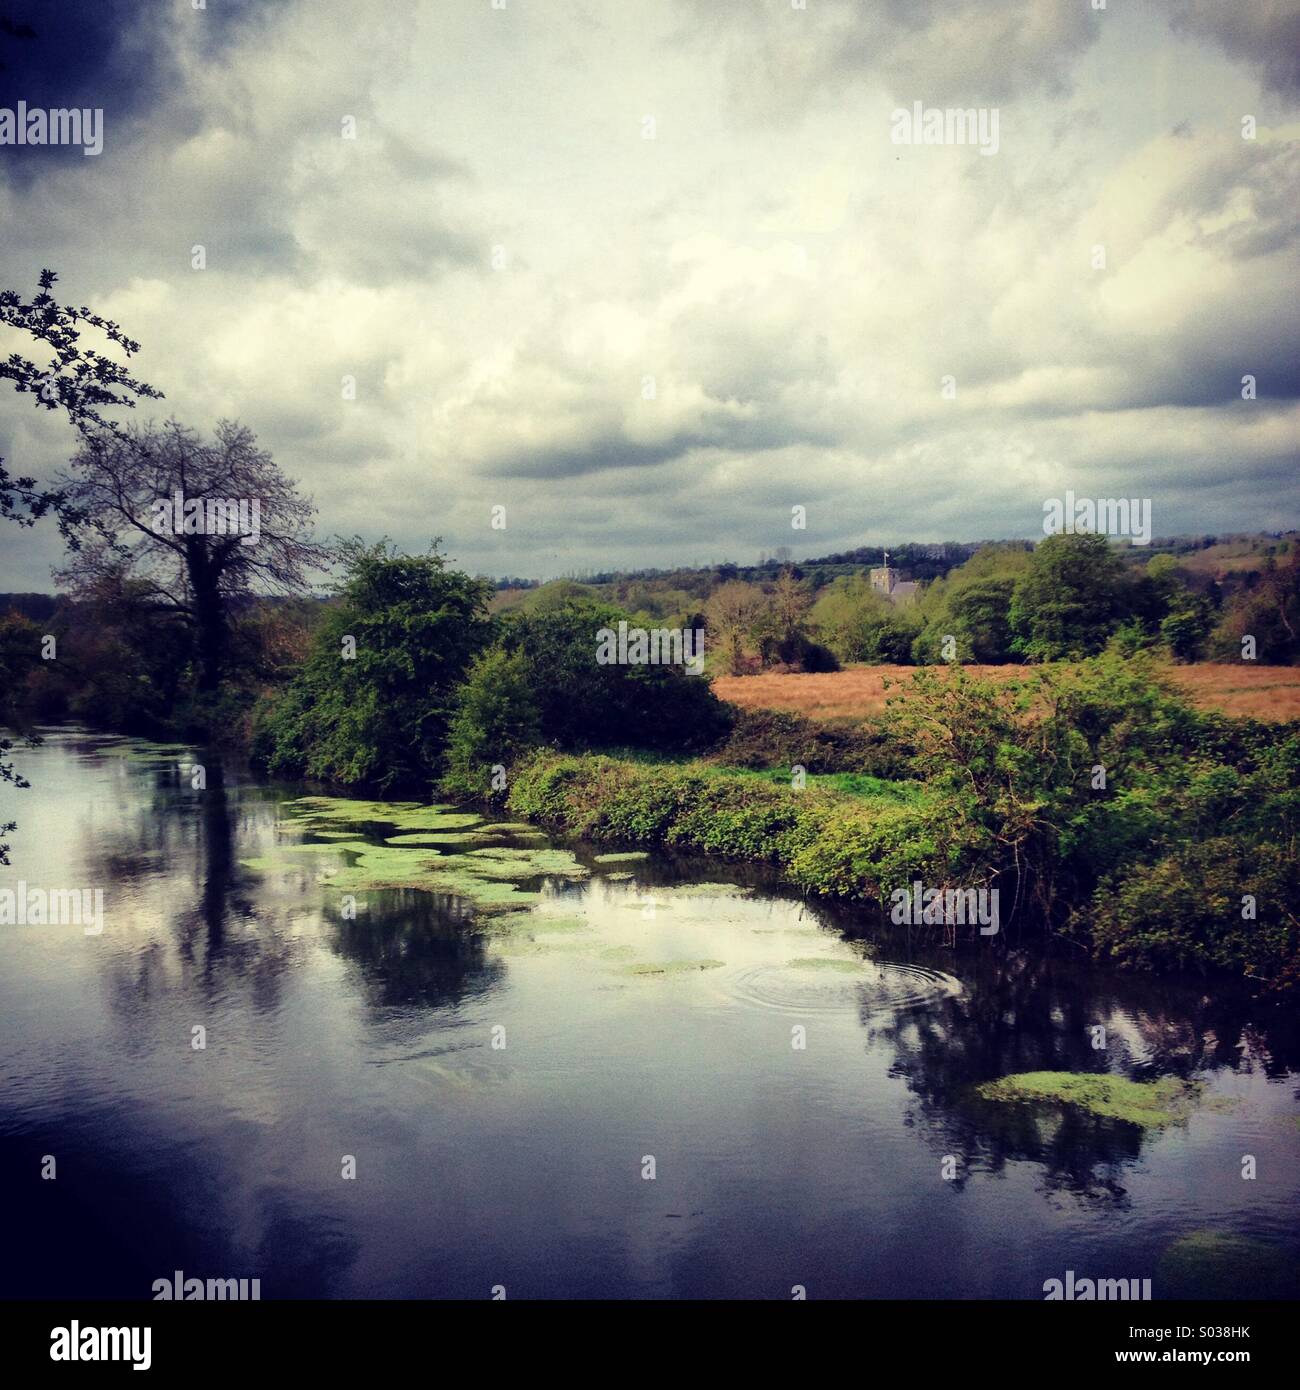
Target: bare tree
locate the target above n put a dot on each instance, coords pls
(790, 604)
(189, 527)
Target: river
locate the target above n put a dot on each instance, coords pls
(565, 1074)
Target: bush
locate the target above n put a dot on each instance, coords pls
(1185, 911)
(1150, 866)
(495, 720)
(584, 704)
(763, 739)
(823, 842)
(378, 718)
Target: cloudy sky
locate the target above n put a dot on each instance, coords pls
(650, 273)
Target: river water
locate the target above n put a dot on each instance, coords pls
(585, 1077)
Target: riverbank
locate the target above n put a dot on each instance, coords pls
(1218, 906)
(842, 844)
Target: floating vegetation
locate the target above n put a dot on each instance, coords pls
(1148, 1104)
(534, 923)
(404, 815)
(515, 863)
(702, 890)
(622, 857)
(1220, 1264)
(490, 876)
(672, 967)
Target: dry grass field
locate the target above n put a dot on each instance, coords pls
(1262, 692)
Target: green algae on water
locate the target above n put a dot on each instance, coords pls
(1220, 1264)
(403, 815)
(672, 967)
(534, 923)
(623, 857)
(502, 862)
(1148, 1104)
(485, 836)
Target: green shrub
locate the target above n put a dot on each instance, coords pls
(779, 739)
(1185, 911)
(371, 705)
(583, 703)
(496, 719)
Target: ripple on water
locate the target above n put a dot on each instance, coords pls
(874, 987)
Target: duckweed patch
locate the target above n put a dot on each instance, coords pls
(672, 967)
(402, 815)
(1148, 1104)
(623, 857)
(518, 863)
(535, 924)
(1220, 1264)
(484, 877)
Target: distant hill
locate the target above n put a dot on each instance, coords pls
(1227, 559)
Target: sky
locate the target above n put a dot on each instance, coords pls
(652, 274)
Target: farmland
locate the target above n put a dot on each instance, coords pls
(858, 692)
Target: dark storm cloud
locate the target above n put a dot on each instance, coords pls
(115, 55)
(1265, 34)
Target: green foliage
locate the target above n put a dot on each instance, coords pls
(582, 703)
(496, 719)
(858, 624)
(379, 719)
(762, 738)
(973, 605)
(1150, 864)
(824, 842)
(1069, 599)
(20, 659)
(1267, 608)
(1184, 911)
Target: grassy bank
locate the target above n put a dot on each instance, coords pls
(854, 843)
(1182, 857)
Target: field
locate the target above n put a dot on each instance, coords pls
(1261, 692)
